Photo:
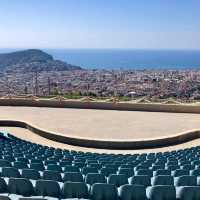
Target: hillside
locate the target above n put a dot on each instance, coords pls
(32, 60)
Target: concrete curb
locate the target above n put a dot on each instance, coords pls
(106, 144)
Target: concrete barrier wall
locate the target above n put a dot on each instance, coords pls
(151, 107)
(104, 144)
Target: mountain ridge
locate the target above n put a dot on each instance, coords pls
(32, 60)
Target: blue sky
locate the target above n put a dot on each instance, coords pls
(138, 24)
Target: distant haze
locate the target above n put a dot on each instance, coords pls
(137, 24)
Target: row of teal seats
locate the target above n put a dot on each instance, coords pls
(91, 178)
(51, 190)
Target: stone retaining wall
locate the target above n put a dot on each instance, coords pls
(151, 107)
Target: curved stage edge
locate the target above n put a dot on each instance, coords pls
(106, 144)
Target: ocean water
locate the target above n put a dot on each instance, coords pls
(130, 59)
(126, 58)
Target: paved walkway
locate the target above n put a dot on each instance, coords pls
(104, 124)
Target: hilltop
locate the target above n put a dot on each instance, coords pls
(32, 60)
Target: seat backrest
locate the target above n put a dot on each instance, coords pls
(185, 180)
(79, 164)
(96, 165)
(188, 192)
(162, 180)
(87, 170)
(118, 179)
(73, 177)
(161, 192)
(180, 172)
(172, 163)
(65, 163)
(172, 167)
(9, 158)
(132, 192)
(162, 172)
(22, 159)
(195, 172)
(30, 174)
(107, 171)
(50, 162)
(92, 178)
(36, 161)
(75, 190)
(20, 165)
(187, 167)
(126, 171)
(112, 166)
(20, 186)
(47, 188)
(51, 175)
(70, 168)
(54, 167)
(10, 172)
(147, 172)
(140, 180)
(102, 191)
(4, 163)
(3, 186)
(157, 167)
(4, 197)
(37, 166)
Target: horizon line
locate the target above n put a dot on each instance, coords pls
(82, 48)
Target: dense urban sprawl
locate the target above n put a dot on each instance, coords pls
(160, 84)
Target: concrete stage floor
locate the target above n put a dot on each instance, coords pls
(104, 124)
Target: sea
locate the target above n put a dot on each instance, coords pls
(126, 59)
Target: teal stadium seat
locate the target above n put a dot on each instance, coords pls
(3, 187)
(188, 193)
(132, 192)
(5, 163)
(161, 192)
(185, 181)
(70, 168)
(4, 197)
(180, 172)
(195, 172)
(54, 167)
(10, 172)
(52, 175)
(30, 174)
(141, 180)
(107, 171)
(87, 170)
(128, 172)
(47, 188)
(92, 178)
(20, 165)
(102, 191)
(73, 177)
(18, 187)
(162, 172)
(77, 190)
(146, 172)
(117, 179)
(162, 180)
(37, 166)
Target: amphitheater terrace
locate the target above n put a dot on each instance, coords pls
(104, 124)
(97, 125)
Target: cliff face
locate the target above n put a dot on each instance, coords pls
(32, 60)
